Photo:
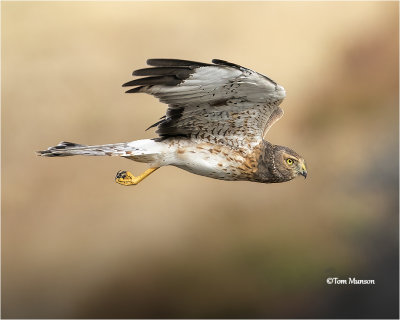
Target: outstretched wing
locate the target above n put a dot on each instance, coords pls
(221, 102)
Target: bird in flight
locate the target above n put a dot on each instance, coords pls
(214, 126)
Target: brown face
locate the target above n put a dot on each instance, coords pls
(289, 163)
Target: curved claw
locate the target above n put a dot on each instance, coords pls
(126, 178)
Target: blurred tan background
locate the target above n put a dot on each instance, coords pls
(77, 245)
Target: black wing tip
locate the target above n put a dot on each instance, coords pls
(168, 80)
(166, 72)
(131, 83)
(162, 71)
(219, 61)
(134, 90)
(227, 63)
(161, 62)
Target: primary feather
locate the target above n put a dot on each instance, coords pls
(217, 100)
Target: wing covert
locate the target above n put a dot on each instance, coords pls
(213, 101)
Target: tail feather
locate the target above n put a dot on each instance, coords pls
(146, 150)
(65, 149)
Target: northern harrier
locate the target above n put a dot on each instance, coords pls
(214, 126)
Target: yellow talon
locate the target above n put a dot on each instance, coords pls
(126, 178)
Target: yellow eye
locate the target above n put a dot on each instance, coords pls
(289, 161)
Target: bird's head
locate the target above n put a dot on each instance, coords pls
(287, 163)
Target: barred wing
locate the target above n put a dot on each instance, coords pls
(219, 102)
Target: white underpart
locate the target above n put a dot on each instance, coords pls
(183, 154)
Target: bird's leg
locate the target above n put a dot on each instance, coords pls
(128, 179)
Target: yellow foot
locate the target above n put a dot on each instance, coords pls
(126, 178)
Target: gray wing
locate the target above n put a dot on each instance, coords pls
(220, 101)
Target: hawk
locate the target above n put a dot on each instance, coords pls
(214, 126)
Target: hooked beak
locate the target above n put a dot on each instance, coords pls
(303, 171)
